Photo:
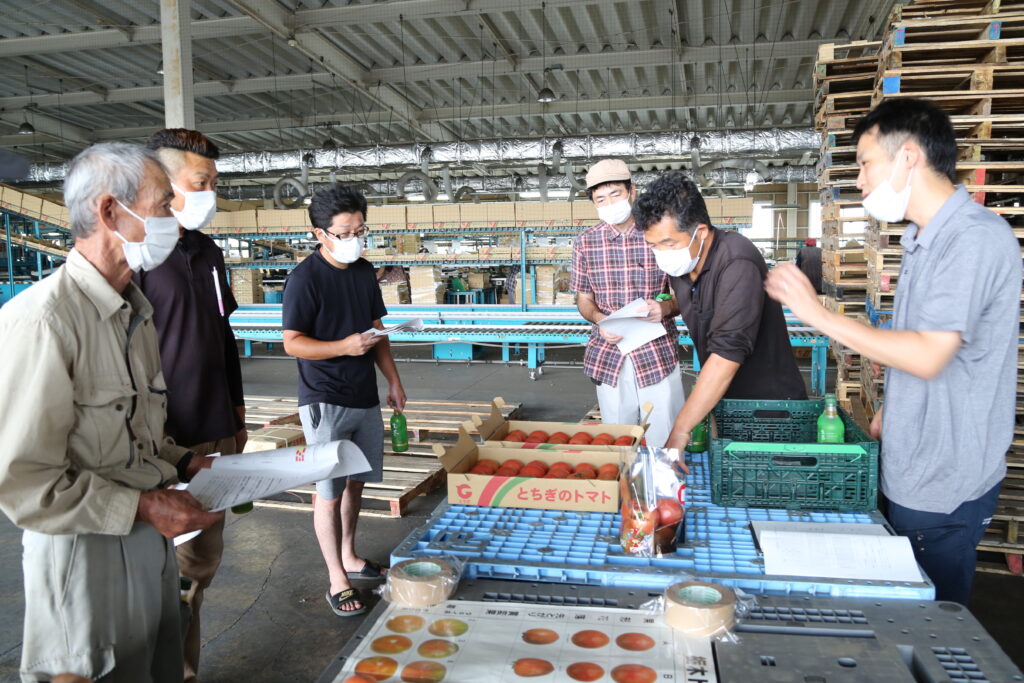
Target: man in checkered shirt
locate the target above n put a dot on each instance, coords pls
(611, 267)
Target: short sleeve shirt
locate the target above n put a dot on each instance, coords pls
(944, 440)
(617, 268)
(728, 313)
(327, 304)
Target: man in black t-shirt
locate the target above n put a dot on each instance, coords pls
(330, 300)
(718, 277)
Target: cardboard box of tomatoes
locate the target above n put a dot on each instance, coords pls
(504, 476)
(556, 435)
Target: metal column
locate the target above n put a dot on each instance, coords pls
(176, 37)
(10, 257)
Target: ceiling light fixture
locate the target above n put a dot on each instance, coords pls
(26, 129)
(546, 94)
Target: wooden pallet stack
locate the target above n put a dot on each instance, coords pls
(273, 422)
(844, 81)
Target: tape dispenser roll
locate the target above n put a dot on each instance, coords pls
(699, 608)
(421, 583)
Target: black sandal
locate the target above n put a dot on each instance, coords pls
(345, 597)
(371, 570)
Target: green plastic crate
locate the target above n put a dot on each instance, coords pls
(764, 454)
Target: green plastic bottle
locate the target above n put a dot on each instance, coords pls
(830, 425)
(698, 442)
(242, 509)
(399, 432)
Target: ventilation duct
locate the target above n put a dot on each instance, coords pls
(763, 143)
(429, 187)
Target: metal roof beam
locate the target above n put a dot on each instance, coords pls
(619, 104)
(304, 20)
(315, 46)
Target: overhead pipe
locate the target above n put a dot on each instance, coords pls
(429, 187)
(638, 147)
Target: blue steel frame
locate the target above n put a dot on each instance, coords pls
(262, 323)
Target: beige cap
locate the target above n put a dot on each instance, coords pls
(608, 171)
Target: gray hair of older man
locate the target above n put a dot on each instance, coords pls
(115, 168)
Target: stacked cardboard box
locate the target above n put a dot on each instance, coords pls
(395, 293)
(247, 285)
(478, 279)
(427, 285)
(551, 280)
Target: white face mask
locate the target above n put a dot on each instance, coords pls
(886, 204)
(678, 262)
(347, 250)
(198, 210)
(156, 246)
(615, 214)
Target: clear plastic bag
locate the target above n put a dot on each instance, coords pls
(653, 488)
(422, 581)
(713, 626)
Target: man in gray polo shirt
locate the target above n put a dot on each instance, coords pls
(952, 351)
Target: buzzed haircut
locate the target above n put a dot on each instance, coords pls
(899, 120)
(185, 140)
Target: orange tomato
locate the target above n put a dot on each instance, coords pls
(423, 672)
(481, 469)
(512, 462)
(636, 642)
(493, 464)
(584, 671)
(448, 628)
(634, 673)
(405, 623)
(608, 472)
(531, 471)
(380, 668)
(360, 678)
(528, 667)
(590, 639)
(624, 440)
(540, 636)
(437, 648)
(581, 438)
(390, 645)
(558, 438)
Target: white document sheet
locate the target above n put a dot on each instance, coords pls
(628, 323)
(839, 556)
(414, 325)
(820, 528)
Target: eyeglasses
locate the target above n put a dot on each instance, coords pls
(345, 235)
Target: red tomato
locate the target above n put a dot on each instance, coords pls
(624, 440)
(584, 671)
(669, 511)
(517, 438)
(423, 672)
(529, 667)
(636, 642)
(379, 668)
(608, 472)
(512, 462)
(540, 636)
(531, 471)
(507, 472)
(590, 639)
(634, 673)
(481, 469)
(559, 439)
(580, 438)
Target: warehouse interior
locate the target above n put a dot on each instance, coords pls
(469, 126)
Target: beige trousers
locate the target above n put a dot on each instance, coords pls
(198, 560)
(101, 606)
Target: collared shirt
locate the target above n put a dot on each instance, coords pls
(83, 405)
(944, 440)
(617, 268)
(197, 347)
(728, 313)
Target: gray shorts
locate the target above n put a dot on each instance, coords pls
(323, 422)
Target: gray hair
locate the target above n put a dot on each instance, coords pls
(115, 168)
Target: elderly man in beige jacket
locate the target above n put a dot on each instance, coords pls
(84, 466)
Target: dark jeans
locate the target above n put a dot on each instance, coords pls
(944, 544)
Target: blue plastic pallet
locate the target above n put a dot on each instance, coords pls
(583, 547)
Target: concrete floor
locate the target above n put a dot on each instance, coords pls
(265, 618)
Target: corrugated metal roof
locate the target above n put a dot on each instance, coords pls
(421, 68)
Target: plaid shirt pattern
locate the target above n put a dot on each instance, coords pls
(617, 268)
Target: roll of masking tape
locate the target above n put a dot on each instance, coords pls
(699, 608)
(421, 583)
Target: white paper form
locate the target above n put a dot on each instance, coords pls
(414, 325)
(236, 479)
(628, 323)
(820, 528)
(839, 556)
